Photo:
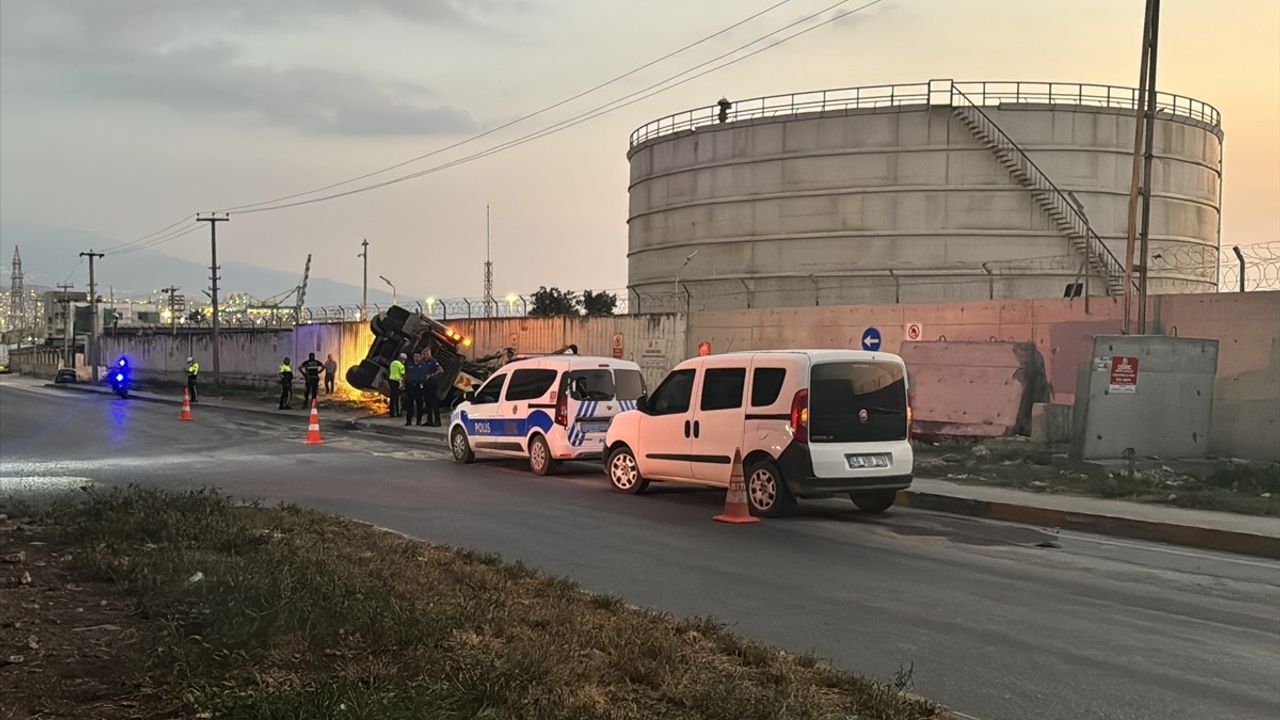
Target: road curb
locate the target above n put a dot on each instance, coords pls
(1187, 535)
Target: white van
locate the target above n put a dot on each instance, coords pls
(548, 409)
(809, 423)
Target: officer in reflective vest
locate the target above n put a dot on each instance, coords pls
(395, 380)
(193, 370)
(286, 384)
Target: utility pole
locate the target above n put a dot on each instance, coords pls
(92, 350)
(1135, 180)
(488, 269)
(68, 325)
(172, 292)
(1144, 251)
(213, 219)
(364, 299)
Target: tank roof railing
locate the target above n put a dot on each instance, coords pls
(987, 93)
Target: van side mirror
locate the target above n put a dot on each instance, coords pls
(642, 403)
(470, 395)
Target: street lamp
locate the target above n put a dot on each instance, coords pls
(394, 297)
(431, 302)
(684, 264)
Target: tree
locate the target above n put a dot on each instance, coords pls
(599, 303)
(549, 302)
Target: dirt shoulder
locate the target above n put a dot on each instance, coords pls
(145, 604)
(1251, 488)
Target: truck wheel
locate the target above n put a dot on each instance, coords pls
(461, 447)
(376, 326)
(363, 376)
(540, 461)
(874, 502)
(767, 494)
(624, 473)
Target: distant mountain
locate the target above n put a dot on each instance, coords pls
(48, 253)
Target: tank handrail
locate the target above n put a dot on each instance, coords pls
(981, 92)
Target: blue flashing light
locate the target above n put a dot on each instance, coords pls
(119, 377)
(122, 362)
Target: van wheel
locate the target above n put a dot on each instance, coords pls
(874, 502)
(624, 472)
(767, 494)
(540, 461)
(461, 447)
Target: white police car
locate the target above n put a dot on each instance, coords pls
(548, 409)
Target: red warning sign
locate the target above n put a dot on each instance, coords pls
(617, 345)
(913, 331)
(1124, 375)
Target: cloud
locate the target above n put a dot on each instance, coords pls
(153, 51)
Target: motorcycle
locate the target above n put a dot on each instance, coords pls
(119, 377)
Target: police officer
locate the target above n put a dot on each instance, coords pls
(415, 378)
(193, 370)
(286, 384)
(395, 377)
(430, 393)
(311, 369)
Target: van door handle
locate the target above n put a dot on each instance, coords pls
(686, 428)
(697, 428)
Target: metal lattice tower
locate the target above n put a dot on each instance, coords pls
(489, 305)
(17, 295)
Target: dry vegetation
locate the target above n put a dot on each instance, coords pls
(144, 604)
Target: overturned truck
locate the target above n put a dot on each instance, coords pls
(399, 330)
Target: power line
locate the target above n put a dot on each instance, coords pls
(520, 119)
(599, 111)
(160, 240)
(149, 235)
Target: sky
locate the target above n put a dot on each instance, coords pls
(119, 117)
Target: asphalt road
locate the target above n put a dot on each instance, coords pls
(994, 625)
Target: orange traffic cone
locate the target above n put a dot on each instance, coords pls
(186, 405)
(735, 500)
(313, 429)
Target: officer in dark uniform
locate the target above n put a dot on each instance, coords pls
(311, 370)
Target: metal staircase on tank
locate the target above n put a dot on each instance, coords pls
(1066, 217)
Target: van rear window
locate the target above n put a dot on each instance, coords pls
(629, 384)
(857, 402)
(590, 384)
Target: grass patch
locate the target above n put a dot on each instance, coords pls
(274, 613)
(1227, 486)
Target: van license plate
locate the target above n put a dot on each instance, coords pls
(594, 426)
(859, 462)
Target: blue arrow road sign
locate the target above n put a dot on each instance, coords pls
(871, 339)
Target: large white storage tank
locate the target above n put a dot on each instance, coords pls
(916, 193)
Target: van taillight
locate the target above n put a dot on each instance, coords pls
(800, 416)
(562, 409)
(908, 422)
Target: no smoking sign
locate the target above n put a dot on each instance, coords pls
(913, 331)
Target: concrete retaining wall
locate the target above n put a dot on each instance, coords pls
(1246, 326)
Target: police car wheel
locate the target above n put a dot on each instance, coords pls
(624, 473)
(461, 447)
(767, 494)
(540, 461)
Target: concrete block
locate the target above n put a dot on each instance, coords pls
(1160, 407)
(1050, 424)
